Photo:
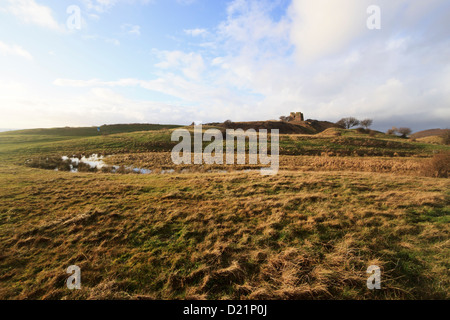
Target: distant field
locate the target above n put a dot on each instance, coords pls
(27, 138)
(22, 145)
(341, 202)
(91, 131)
(50, 141)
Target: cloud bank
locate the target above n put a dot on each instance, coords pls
(317, 57)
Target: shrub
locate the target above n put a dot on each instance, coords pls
(392, 131)
(362, 131)
(438, 166)
(446, 137)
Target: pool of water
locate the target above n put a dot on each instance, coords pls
(95, 161)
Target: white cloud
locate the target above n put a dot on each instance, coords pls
(316, 58)
(196, 32)
(332, 66)
(131, 29)
(97, 37)
(14, 50)
(112, 41)
(323, 27)
(101, 6)
(30, 12)
(191, 64)
(96, 107)
(249, 24)
(186, 2)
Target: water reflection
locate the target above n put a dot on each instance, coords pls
(95, 162)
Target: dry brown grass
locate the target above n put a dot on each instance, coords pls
(297, 235)
(432, 140)
(309, 232)
(326, 162)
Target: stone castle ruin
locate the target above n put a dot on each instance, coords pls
(296, 116)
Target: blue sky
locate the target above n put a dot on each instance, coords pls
(178, 61)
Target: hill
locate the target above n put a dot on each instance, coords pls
(428, 133)
(299, 127)
(92, 131)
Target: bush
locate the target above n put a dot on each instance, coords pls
(392, 131)
(362, 131)
(438, 166)
(446, 137)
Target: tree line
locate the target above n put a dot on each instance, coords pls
(351, 122)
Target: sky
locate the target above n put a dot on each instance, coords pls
(95, 62)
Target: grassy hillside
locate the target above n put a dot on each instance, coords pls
(341, 202)
(428, 133)
(89, 131)
(50, 141)
(336, 143)
(284, 127)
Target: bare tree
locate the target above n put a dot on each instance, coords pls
(366, 123)
(348, 123)
(392, 131)
(405, 132)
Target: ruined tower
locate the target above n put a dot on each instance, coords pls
(297, 116)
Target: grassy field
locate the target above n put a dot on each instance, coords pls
(341, 202)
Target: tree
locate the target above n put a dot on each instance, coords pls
(284, 118)
(348, 123)
(405, 132)
(366, 123)
(392, 131)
